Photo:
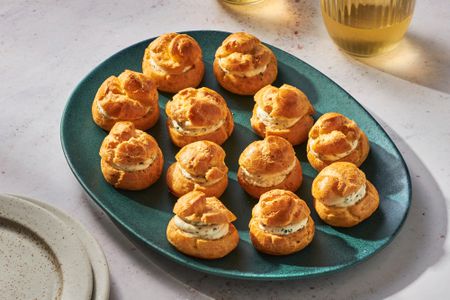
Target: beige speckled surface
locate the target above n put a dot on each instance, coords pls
(47, 47)
(40, 257)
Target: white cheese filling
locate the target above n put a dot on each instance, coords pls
(160, 69)
(249, 73)
(284, 230)
(105, 114)
(198, 179)
(336, 156)
(350, 200)
(187, 130)
(202, 230)
(275, 123)
(268, 180)
(137, 167)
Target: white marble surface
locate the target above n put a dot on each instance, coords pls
(46, 47)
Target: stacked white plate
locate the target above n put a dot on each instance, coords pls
(45, 254)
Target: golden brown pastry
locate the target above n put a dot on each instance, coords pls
(174, 61)
(131, 158)
(284, 112)
(200, 166)
(281, 223)
(243, 65)
(198, 114)
(202, 227)
(269, 164)
(130, 97)
(334, 138)
(343, 197)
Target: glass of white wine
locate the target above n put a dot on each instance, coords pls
(367, 27)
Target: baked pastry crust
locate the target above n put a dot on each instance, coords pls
(270, 156)
(333, 133)
(130, 97)
(202, 159)
(242, 53)
(284, 103)
(174, 61)
(280, 208)
(339, 180)
(126, 147)
(197, 207)
(201, 108)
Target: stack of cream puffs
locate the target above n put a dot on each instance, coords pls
(281, 223)
(269, 164)
(334, 138)
(243, 65)
(199, 166)
(343, 197)
(130, 97)
(284, 112)
(174, 61)
(130, 158)
(198, 114)
(202, 227)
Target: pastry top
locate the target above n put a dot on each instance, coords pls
(334, 136)
(201, 107)
(338, 181)
(202, 158)
(285, 102)
(195, 207)
(128, 148)
(126, 97)
(174, 53)
(242, 54)
(280, 208)
(269, 156)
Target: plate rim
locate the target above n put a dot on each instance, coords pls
(212, 270)
(93, 249)
(73, 264)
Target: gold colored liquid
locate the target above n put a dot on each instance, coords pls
(367, 27)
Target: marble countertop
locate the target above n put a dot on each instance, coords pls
(47, 47)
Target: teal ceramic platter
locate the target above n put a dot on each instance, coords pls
(146, 213)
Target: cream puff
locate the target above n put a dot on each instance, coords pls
(199, 166)
(281, 223)
(284, 111)
(243, 65)
(174, 61)
(202, 227)
(343, 197)
(130, 158)
(334, 138)
(269, 164)
(130, 97)
(198, 114)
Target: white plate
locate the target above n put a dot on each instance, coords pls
(40, 257)
(94, 251)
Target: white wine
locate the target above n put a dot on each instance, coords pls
(367, 27)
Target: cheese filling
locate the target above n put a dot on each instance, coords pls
(137, 167)
(350, 200)
(284, 230)
(202, 230)
(249, 73)
(336, 156)
(267, 180)
(187, 130)
(158, 68)
(105, 114)
(198, 179)
(275, 123)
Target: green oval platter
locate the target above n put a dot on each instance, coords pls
(145, 214)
